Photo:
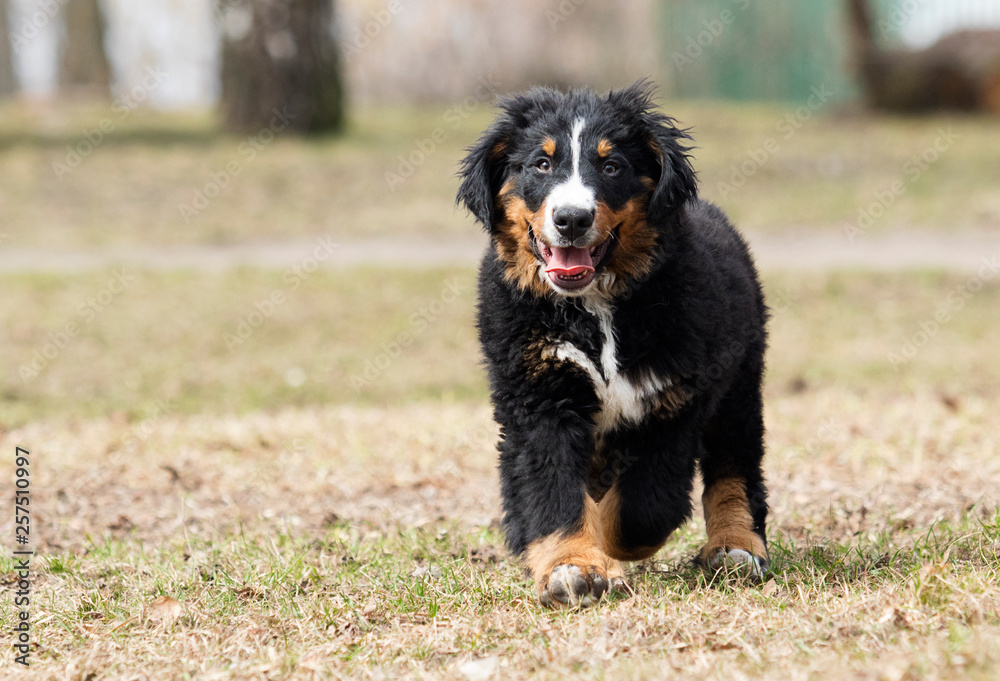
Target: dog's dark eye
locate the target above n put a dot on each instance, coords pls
(611, 168)
(543, 165)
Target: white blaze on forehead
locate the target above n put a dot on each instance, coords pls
(574, 144)
(572, 193)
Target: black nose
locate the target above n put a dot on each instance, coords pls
(572, 223)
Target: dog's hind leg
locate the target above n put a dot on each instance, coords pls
(735, 498)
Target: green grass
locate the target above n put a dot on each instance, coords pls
(383, 559)
(130, 189)
(174, 342)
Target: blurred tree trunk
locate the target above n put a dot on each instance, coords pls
(280, 66)
(961, 71)
(8, 84)
(83, 64)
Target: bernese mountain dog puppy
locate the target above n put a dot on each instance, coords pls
(623, 327)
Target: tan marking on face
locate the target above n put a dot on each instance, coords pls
(633, 256)
(504, 192)
(514, 243)
(728, 520)
(604, 148)
(610, 525)
(549, 146)
(577, 548)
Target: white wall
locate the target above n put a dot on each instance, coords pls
(924, 21)
(178, 36)
(34, 33)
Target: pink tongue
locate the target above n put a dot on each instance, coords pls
(570, 260)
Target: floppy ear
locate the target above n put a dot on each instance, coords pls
(677, 181)
(483, 172)
(485, 168)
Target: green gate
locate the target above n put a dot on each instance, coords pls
(757, 49)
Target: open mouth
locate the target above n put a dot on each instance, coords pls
(570, 267)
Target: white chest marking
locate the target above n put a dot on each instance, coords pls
(621, 399)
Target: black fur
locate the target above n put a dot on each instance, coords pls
(697, 318)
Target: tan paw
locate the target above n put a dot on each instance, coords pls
(735, 561)
(573, 585)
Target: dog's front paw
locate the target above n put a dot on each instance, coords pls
(575, 585)
(735, 561)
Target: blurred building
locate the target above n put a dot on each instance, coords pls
(419, 50)
(786, 49)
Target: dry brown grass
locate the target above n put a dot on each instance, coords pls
(159, 347)
(201, 513)
(351, 542)
(130, 189)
